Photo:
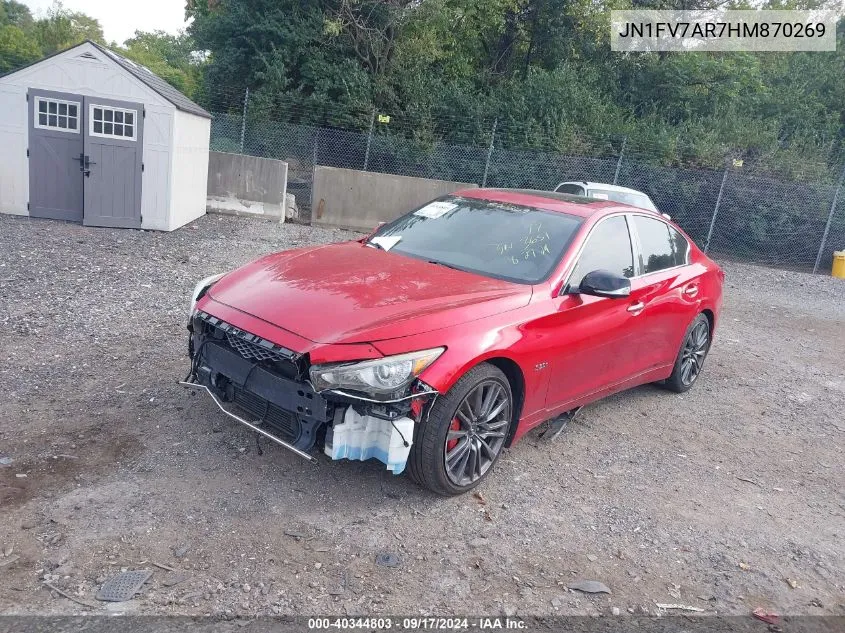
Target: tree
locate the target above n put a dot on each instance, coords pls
(446, 69)
(171, 57)
(16, 48)
(61, 29)
(16, 14)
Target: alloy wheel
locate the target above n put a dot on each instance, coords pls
(477, 433)
(695, 349)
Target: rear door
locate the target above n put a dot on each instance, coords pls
(56, 121)
(112, 163)
(667, 288)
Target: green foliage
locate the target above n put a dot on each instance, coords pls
(16, 48)
(16, 14)
(446, 69)
(24, 39)
(170, 57)
(62, 29)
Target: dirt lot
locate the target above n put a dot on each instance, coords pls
(728, 498)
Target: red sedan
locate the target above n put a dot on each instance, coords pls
(446, 335)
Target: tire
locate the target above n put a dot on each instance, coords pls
(690, 360)
(452, 432)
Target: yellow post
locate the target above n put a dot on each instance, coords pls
(838, 264)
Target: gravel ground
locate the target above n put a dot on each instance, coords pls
(727, 498)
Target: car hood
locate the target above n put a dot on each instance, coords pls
(352, 293)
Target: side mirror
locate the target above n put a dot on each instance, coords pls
(601, 283)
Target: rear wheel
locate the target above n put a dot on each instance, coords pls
(690, 360)
(462, 436)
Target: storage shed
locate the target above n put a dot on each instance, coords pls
(89, 136)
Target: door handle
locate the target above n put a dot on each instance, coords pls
(691, 291)
(636, 308)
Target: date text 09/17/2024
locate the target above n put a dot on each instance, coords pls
(417, 623)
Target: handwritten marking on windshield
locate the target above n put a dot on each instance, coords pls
(534, 245)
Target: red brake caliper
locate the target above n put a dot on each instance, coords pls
(455, 426)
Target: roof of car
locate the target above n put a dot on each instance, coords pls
(547, 200)
(604, 186)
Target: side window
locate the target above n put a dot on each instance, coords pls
(608, 248)
(576, 190)
(680, 246)
(662, 246)
(109, 122)
(56, 114)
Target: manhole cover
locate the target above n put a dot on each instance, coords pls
(123, 586)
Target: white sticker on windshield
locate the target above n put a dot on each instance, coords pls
(387, 242)
(436, 209)
(600, 196)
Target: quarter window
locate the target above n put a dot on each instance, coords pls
(680, 246)
(56, 114)
(608, 248)
(113, 122)
(662, 246)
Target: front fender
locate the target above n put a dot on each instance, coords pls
(472, 344)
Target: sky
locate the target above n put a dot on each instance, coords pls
(121, 19)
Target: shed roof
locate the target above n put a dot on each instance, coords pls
(143, 74)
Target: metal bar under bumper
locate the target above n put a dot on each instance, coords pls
(269, 436)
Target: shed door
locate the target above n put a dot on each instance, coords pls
(56, 122)
(113, 152)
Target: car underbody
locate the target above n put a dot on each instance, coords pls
(269, 385)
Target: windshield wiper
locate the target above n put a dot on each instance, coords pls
(434, 261)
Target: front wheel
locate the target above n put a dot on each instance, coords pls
(461, 437)
(690, 359)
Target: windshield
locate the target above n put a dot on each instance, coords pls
(639, 200)
(503, 241)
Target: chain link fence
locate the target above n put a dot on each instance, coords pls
(793, 221)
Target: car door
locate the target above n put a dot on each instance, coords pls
(665, 290)
(591, 345)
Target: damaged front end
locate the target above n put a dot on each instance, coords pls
(355, 411)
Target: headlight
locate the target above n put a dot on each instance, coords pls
(382, 376)
(200, 289)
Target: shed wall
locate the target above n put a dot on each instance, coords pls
(189, 177)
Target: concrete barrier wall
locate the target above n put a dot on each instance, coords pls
(247, 185)
(359, 200)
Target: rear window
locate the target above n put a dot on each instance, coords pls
(503, 241)
(639, 200)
